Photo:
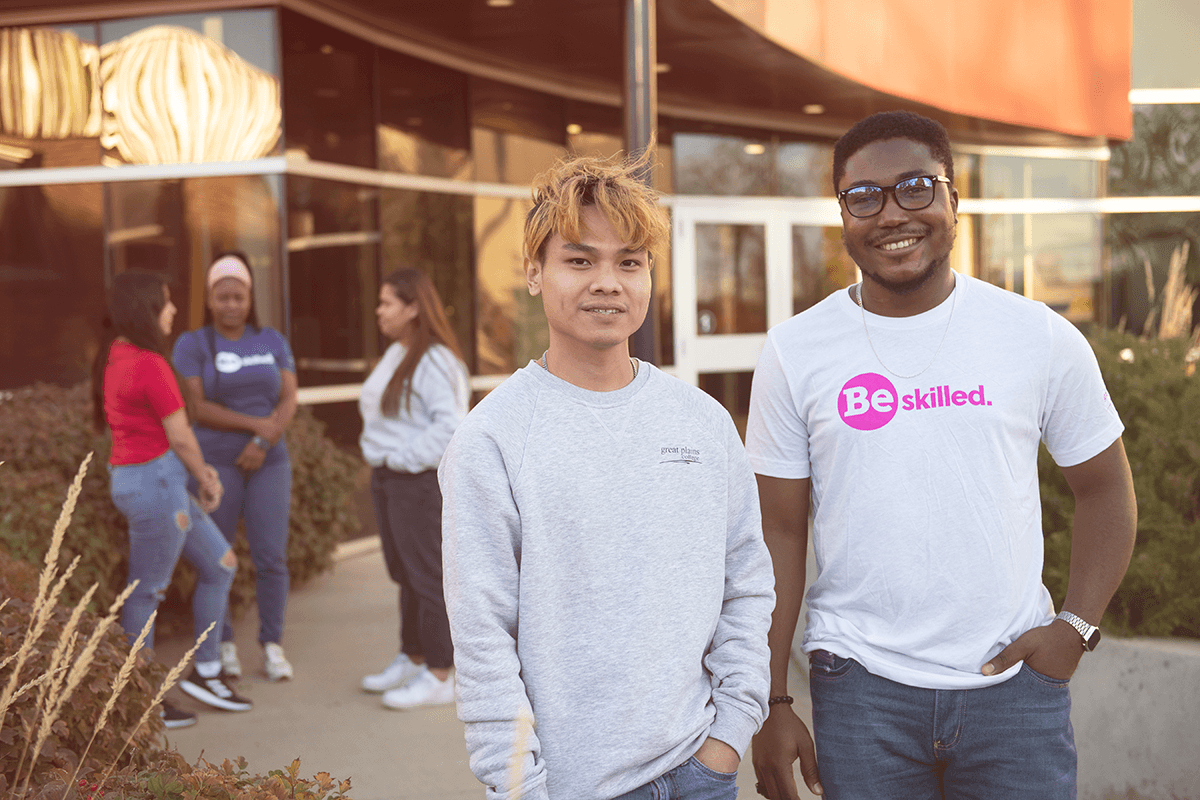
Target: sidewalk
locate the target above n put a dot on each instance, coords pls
(341, 626)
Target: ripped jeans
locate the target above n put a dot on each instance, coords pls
(166, 522)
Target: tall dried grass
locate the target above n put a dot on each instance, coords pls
(70, 661)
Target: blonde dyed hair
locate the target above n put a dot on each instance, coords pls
(612, 185)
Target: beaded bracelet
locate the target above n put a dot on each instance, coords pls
(783, 698)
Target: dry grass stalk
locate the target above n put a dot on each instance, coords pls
(167, 683)
(60, 529)
(1178, 297)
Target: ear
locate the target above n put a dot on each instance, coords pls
(954, 204)
(533, 277)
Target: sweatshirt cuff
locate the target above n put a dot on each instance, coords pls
(733, 727)
(533, 790)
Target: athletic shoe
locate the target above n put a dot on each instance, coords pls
(229, 660)
(214, 691)
(396, 674)
(174, 717)
(277, 667)
(423, 690)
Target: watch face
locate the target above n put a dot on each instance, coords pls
(1093, 640)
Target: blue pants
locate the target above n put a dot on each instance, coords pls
(263, 499)
(881, 740)
(691, 780)
(408, 507)
(166, 522)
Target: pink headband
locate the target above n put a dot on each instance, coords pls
(228, 267)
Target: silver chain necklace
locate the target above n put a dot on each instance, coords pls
(862, 308)
(633, 362)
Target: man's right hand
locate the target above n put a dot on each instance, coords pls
(783, 739)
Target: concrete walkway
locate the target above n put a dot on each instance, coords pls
(341, 626)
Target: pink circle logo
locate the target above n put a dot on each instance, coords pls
(868, 402)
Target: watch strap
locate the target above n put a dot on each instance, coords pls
(1088, 632)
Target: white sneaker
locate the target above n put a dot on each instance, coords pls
(229, 660)
(275, 663)
(423, 690)
(396, 674)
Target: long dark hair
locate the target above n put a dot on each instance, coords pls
(252, 317)
(135, 300)
(430, 327)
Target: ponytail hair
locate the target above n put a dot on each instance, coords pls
(430, 327)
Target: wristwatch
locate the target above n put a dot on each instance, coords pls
(262, 443)
(1089, 632)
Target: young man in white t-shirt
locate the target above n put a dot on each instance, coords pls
(906, 414)
(608, 587)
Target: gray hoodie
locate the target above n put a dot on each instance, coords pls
(608, 586)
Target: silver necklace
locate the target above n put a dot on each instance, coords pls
(862, 308)
(633, 362)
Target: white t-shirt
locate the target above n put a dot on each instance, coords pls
(926, 513)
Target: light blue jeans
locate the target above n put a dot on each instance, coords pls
(166, 522)
(881, 740)
(263, 499)
(691, 780)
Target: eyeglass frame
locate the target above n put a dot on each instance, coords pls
(841, 196)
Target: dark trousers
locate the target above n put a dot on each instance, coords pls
(408, 507)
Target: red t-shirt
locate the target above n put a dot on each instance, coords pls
(139, 392)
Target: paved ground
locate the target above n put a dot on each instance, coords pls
(340, 627)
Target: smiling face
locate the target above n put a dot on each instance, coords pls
(595, 293)
(229, 302)
(166, 317)
(902, 252)
(395, 317)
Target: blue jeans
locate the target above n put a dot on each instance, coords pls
(691, 780)
(881, 740)
(263, 499)
(166, 522)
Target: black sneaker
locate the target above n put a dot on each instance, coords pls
(174, 717)
(214, 691)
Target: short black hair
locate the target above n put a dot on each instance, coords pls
(892, 125)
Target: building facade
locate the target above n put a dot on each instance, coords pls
(335, 141)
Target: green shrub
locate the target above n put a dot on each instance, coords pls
(1159, 403)
(45, 431)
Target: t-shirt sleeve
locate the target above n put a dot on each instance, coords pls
(188, 355)
(161, 389)
(776, 434)
(284, 358)
(1079, 420)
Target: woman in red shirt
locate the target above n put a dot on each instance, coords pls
(136, 394)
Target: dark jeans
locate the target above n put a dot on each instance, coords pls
(408, 507)
(263, 499)
(881, 740)
(691, 780)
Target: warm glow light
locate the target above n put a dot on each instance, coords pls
(662, 67)
(755, 149)
(327, 49)
(574, 129)
(814, 108)
(500, 3)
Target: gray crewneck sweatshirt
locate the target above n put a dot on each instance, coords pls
(608, 587)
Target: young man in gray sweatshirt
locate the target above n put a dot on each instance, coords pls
(607, 583)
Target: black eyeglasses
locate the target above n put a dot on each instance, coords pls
(912, 194)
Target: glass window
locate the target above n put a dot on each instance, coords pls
(805, 169)
(1049, 257)
(49, 97)
(1008, 176)
(731, 279)
(189, 88)
(724, 165)
(510, 328)
(820, 265)
(333, 279)
(329, 99)
(51, 283)
(516, 133)
(423, 121)
(180, 226)
(435, 233)
(732, 390)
